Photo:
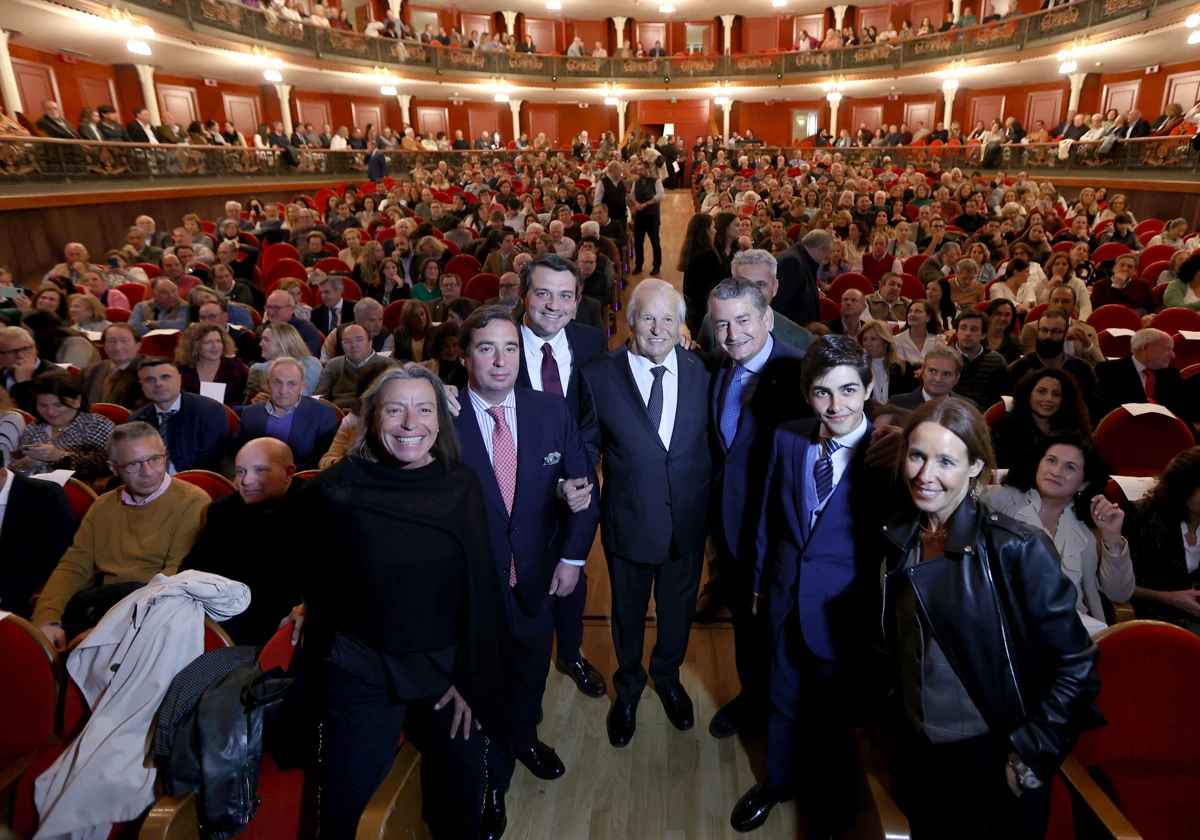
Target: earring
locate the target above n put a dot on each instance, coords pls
(974, 492)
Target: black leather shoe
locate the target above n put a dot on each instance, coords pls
(708, 604)
(737, 717)
(495, 819)
(637, 269)
(755, 806)
(678, 706)
(655, 271)
(586, 676)
(622, 723)
(542, 761)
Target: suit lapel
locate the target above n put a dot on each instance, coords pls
(475, 454)
(691, 385)
(623, 377)
(529, 447)
(806, 468)
(715, 386)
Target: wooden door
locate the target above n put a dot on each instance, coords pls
(984, 109)
(544, 122)
(759, 34)
(1122, 96)
(814, 25)
(876, 16)
(869, 115)
(365, 115)
(935, 10)
(431, 120)
(243, 111)
(648, 33)
(472, 22)
(1044, 105)
(95, 91)
(479, 120)
(1182, 89)
(180, 102)
(543, 32)
(36, 84)
(706, 36)
(917, 114)
(315, 111)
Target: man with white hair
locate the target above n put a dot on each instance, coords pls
(533, 230)
(759, 267)
(644, 408)
(798, 297)
(76, 261)
(233, 212)
(368, 314)
(1146, 376)
(153, 236)
(307, 426)
(563, 245)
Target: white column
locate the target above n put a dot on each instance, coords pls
(727, 107)
(833, 115)
(839, 17)
(514, 105)
(1076, 89)
(284, 92)
(619, 23)
(510, 20)
(405, 101)
(947, 113)
(394, 5)
(8, 79)
(146, 77)
(621, 103)
(727, 36)
(956, 7)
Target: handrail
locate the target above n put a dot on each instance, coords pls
(26, 159)
(1050, 26)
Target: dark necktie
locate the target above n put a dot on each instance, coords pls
(655, 405)
(731, 405)
(1151, 390)
(551, 381)
(504, 463)
(823, 469)
(164, 430)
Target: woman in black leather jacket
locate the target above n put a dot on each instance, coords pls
(996, 674)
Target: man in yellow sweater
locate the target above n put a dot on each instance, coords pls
(127, 536)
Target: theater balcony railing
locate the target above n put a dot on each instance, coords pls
(33, 160)
(1040, 29)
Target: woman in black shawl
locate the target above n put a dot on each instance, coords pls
(403, 617)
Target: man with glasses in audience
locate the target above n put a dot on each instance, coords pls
(143, 528)
(281, 310)
(194, 429)
(1081, 338)
(1050, 352)
(19, 363)
(510, 292)
(217, 312)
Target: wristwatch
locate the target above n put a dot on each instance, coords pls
(1025, 777)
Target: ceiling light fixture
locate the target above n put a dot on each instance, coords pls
(833, 89)
(553, 5)
(778, 3)
(666, 9)
(137, 47)
(951, 73)
(611, 94)
(720, 94)
(1067, 58)
(387, 82)
(501, 90)
(1193, 23)
(272, 75)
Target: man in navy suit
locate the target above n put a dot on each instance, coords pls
(306, 425)
(644, 406)
(554, 348)
(193, 428)
(542, 514)
(820, 514)
(751, 393)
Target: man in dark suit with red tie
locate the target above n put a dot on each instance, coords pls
(1146, 376)
(542, 514)
(553, 350)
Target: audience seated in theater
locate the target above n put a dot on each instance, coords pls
(1049, 352)
(877, 263)
(1184, 291)
(232, 287)
(939, 374)
(411, 338)
(760, 268)
(217, 312)
(334, 310)
(12, 425)
(965, 288)
(1163, 529)
(239, 313)
(281, 340)
(1044, 401)
(854, 314)
(307, 426)
(1016, 286)
(1000, 337)
(64, 435)
(984, 376)
(193, 429)
(510, 292)
(451, 290)
(21, 364)
(1057, 486)
(114, 380)
(165, 310)
(87, 313)
(281, 309)
(890, 373)
(368, 314)
(445, 357)
(349, 424)
(1145, 376)
(1125, 288)
(240, 539)
(59, 343)
(36, 527)
(207, 354)
(338, 382)
(887, 304)
(920, 334)
(77, 260)
(128, 536)
(597, 273)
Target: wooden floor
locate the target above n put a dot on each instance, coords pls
(666, 785)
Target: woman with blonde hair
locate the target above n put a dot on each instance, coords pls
(890, 374)
(1117, 205)
(87, 313)
(280, 340)
(295, 290)
(413, 338)
(291, 217)
(207, 354)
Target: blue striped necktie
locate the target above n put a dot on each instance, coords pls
(731, 408)
(823, 469)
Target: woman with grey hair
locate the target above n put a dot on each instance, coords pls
(402, 640)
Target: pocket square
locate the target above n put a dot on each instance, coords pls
(551, 459)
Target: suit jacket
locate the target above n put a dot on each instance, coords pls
(912, 400)
(541, 529)
(138, 134)
(797, 298)
(171, 134)
(586, 344)
(127, 389)
(740, 470)
(590, 313)
(839, 554)
(321, 317)
(59, 128)
(248, 349)
(1140, 128)
(654, 503)
(1120, 384)
(498, 264)
(87, 131)
(197, 434)
(312, 431)
(113, 132)
(38, 527)
(22, 392)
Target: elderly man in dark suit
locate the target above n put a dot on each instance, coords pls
(798, 298)
(750, 393)
(115, 379)
(1146, 376)
(36, 527)
(554, 348)
(542, 514)
(307, 426)
(52, 123)
(19, 365)
(194, 429)
(644, 407)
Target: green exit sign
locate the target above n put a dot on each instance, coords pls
(673, 100)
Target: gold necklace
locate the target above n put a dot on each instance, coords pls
(930, 534)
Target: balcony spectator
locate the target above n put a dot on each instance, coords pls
(598, 51)
(110, 129)
(576, 49)
(926, 27)
(53, 125)
(968, 19)
(527, 45)
(948, 24)
(89, 125)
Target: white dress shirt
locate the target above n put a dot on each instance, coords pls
(1191, 553)
(4, 493)
(561, 348)
(644, 379)
(840, 460)
(753, 369)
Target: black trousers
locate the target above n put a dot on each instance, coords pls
(361, 724)
(646, 224)
(568, 620)
(675, 583)
(951, 791)
(532, 641)
(751, 639)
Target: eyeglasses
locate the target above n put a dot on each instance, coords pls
(16, 350)
(136, 466)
